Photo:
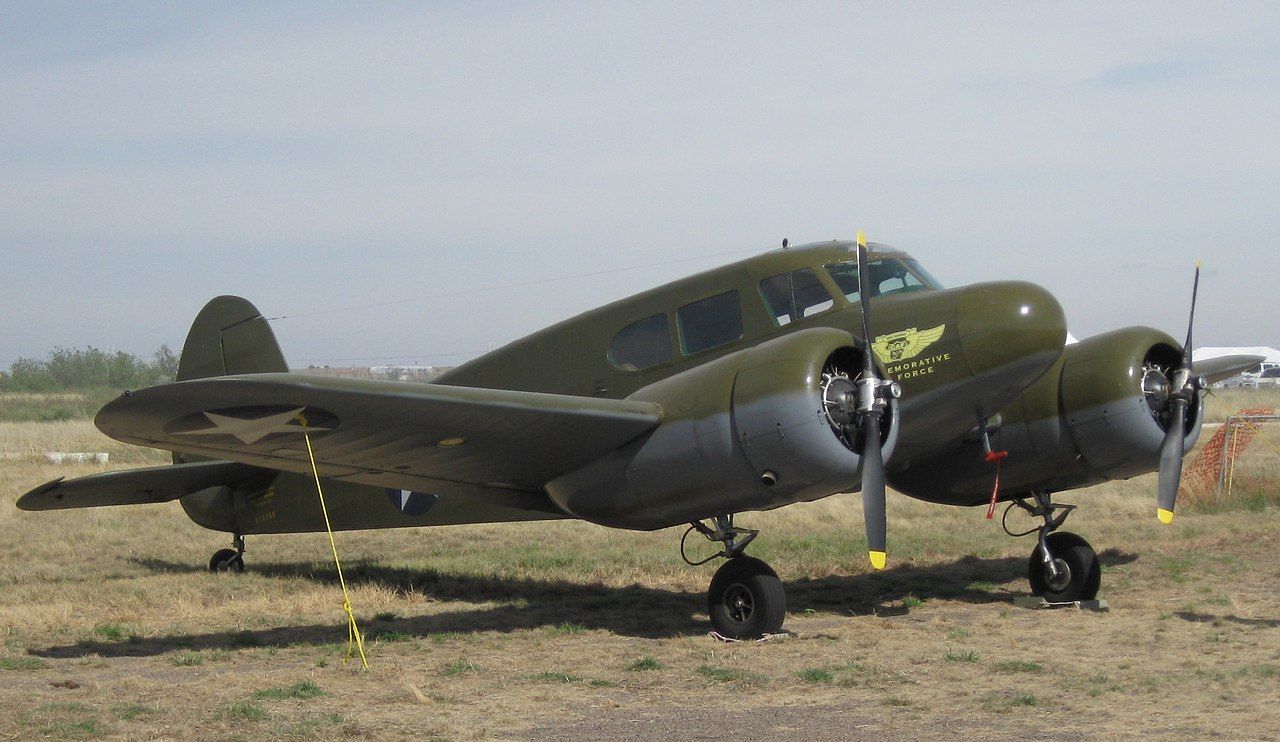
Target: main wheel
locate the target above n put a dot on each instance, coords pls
(1079, 574)
(226, 560)
(746, 599)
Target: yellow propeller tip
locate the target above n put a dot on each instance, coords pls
(878, 559)
(862, 239)
(1165, 516)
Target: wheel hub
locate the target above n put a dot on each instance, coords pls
(1059, 583)
(739, 603)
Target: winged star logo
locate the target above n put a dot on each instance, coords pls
(905, 344)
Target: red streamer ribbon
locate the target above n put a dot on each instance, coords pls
(995, 457)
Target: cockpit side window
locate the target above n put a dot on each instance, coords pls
(710, 322)
(888, 276)
(795, 295)
(641, 344)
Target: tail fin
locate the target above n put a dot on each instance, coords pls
(229, 336)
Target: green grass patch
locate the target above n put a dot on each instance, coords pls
(645, 663)
(440, 637)
(393, 636)
(816, 675)
(552, 677)
(912, 601)
(970, 656)
(112, 632)
(460, 667)
(386, 616)
(134, 711)
(305, 689)
(957, 634)
(568, 628)
(981, 586)
(22, 663)
(246, 711)
(187, 659)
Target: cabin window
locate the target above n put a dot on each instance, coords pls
(888, 276)
(710, 322)
(795, 295)
(641, 344)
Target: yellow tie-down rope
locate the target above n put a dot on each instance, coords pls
(354, 638)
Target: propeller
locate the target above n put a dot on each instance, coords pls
(1184, 388)
(872, 392)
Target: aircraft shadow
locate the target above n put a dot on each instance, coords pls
(1270, 623)
(525, 604)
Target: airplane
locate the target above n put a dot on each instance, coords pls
(748, 387)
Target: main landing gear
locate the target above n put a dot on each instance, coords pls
(229, 560)
(1063, 567)
(746, 599)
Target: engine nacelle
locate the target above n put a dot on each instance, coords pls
(1099, 414)
(749, 431)
(1114, 400)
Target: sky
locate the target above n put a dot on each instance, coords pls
(417, 183)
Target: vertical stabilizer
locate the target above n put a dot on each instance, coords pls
(229, 336)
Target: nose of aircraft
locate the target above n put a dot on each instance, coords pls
(1010, 328)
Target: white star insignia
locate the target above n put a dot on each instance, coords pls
(249, 432)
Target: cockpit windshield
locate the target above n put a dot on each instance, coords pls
(888, 276)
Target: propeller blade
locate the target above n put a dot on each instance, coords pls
(873, 491)
(864, 297)
(1186, 348)
(1171, 462)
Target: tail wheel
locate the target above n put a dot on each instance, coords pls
(226, 560)
(746, 599)
(1079, 573)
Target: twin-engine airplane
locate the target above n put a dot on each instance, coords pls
(752, 386)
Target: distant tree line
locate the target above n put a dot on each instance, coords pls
(73, 369)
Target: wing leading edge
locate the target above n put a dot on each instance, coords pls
(426, 437)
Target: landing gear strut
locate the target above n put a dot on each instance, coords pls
(746, 599)
(1063, 567)
(229, 560)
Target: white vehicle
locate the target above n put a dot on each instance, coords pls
(1268, 373)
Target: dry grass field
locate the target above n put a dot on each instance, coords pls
(112, 627)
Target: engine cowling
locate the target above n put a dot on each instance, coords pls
(752, 430)
(1114, 394)
(1098, 414)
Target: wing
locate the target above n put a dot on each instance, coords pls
(1224, 367)
(423, 437)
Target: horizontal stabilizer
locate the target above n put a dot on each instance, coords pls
(137, 486)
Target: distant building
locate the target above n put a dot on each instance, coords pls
(388, 373)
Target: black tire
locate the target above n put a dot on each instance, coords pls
(746, 599)
(226, 560)
(1082, 574)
